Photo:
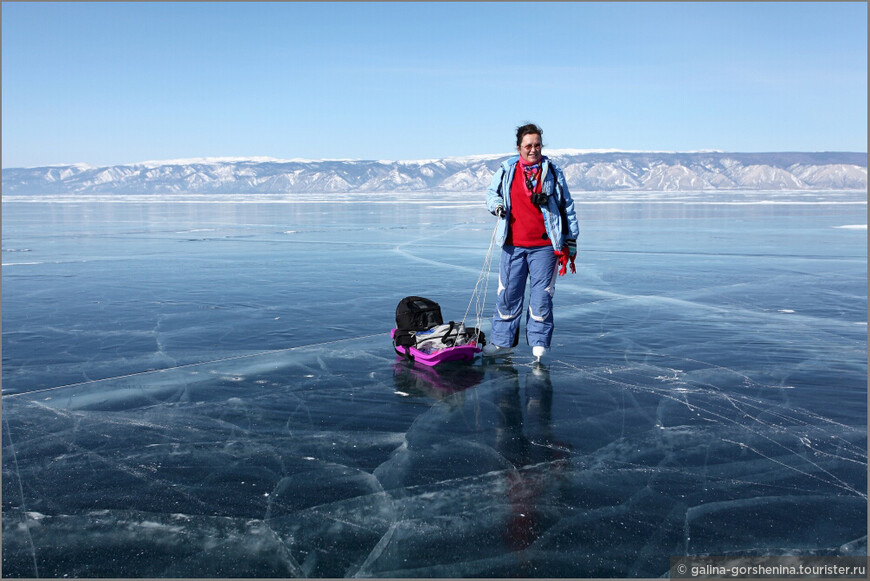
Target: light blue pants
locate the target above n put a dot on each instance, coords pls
(516, 264)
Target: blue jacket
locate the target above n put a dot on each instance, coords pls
(559, 216)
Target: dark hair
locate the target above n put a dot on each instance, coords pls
(528, 129)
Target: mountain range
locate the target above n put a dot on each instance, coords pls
(584, 170)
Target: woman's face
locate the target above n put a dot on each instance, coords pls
(530, 148)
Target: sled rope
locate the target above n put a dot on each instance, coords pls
(478, 296)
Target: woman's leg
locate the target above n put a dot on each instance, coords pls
(512, 274)
(542, 274)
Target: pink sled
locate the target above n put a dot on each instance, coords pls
(458, 353)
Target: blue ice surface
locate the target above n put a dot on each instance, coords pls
(207, 388)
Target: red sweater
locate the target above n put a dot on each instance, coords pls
(526, 221)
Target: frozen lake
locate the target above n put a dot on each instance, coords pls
(207, 388)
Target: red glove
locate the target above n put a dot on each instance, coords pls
(564, 257)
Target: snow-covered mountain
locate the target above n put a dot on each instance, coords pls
(584, 170)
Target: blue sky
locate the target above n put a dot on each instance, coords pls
(107, 83)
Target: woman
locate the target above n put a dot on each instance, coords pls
(537, 223)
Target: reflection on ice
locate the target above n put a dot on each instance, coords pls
(447, 379)
(308, 462)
